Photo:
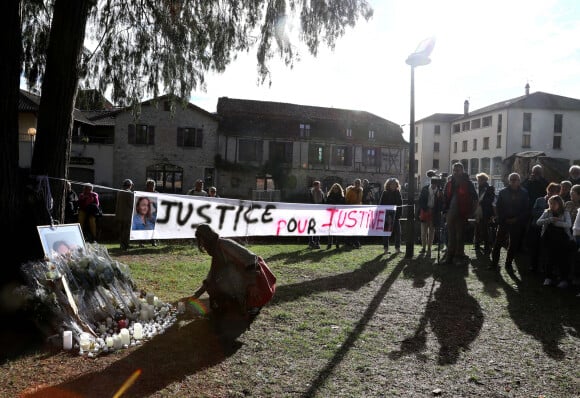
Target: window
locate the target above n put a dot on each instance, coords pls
(497, 165)
(464, 146)
(317, 154)
(168, 177)
(486, 121)
(475, 124)
(456, 128)
(473, 166)
(371, 156)
(371, 135)
(464, 126)
(474, 144)
(250, 151)
(189, 137)
(455, 147)
(526, 140)
(304, 130)
(465, 164)
(416, 147)
(485, 165)
(435, 147)
(527, 122)
(498, 144)
(348, 133)
(499, 122)
(281, 151)
(557, 144)
(558, 118)
(485, 142)
(437, 129)
(141, 134)
(435, 164)
(341, 155)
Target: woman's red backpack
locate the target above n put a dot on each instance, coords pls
(263, 291)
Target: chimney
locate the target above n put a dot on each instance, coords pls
(466, 108)
(527, 88)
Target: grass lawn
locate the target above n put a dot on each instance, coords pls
(343, 323)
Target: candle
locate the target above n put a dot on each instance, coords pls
(125, 337)
(110, 342)
(144, 316)
(117, 343)
(138, 331)
(67, 340)
(150, 298)
(85, 342)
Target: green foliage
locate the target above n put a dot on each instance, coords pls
(140, 48)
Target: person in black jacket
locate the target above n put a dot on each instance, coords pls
(392, 196)
(335, 196)
(483, 213)
(71, 211)
(316, 197)
(430, 206)
(512, 211)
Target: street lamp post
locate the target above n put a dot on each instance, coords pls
(418, 58)
(32, 134)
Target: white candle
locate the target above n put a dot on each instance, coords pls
(67, 340)
(85, 342)
(138, 331)
(110, 342)
(117, 343)
(125, 336)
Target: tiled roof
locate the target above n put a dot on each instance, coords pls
(440, 117)
(537, 100)
(231, 107)
(28, 102)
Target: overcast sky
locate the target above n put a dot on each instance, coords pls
(485, 51)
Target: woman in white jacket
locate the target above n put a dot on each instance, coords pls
(557, 239)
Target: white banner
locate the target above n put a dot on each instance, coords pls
(166, 216)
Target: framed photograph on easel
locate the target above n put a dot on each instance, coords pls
(61, 239)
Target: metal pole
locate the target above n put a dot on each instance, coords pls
(411, 183)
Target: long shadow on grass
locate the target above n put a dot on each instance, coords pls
(184, 349)
(357, 330)
(455, 317)
(353, 280)
(543, 313)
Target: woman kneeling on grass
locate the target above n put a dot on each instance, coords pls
(237, 278)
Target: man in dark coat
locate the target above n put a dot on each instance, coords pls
(512, 209)
(460, 199)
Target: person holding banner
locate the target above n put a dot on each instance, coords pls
(238, 279)
(354, 196)
(392, 196)
(316, 197)
(334, 197)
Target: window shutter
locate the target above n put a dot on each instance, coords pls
(131, 134)
(199, 138)
(180, 136)
(151, 135)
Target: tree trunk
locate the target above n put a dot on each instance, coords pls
(59, 88)
(10, 70)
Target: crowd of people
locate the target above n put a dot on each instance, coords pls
(534, 215)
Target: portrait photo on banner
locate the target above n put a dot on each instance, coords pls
(61, 239)
(144, 213)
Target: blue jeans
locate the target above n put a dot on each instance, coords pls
(396, 235)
